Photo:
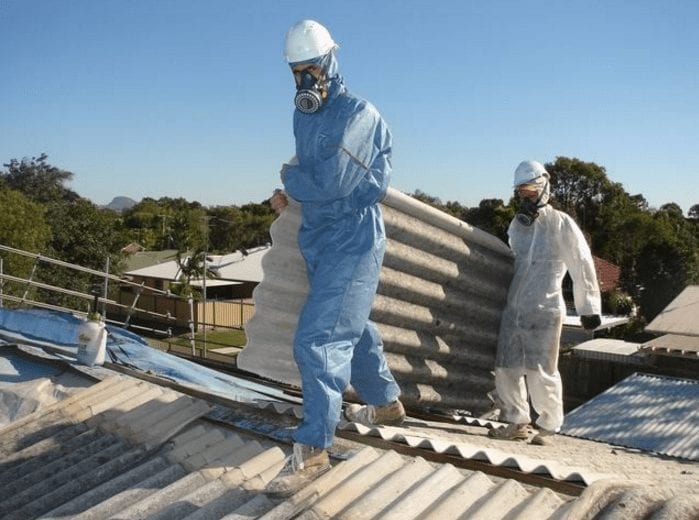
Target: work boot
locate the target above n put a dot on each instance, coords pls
(511, 432)
(301, 468)
(369, 415)
(543, 438)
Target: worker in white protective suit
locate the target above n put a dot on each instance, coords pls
(546, 244)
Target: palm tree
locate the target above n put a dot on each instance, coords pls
(192, 267)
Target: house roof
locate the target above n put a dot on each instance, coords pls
(653, 413)
(118, 445)
(680, 316)
(674, 345)
(239, 266)
(142, 259)
(608, 349)
(607, 274)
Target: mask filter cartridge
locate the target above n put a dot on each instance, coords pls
(307, 101)
(527, 213)
(308, 98)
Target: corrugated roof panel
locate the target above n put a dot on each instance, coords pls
(466, 450)
(442, 289)
(653, 413)
(53, 465)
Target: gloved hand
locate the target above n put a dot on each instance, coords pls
(278, 201)
(591, 321)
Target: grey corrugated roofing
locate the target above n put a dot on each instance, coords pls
(441, 293)
(126, 449)
(680, 316)
(653, 413)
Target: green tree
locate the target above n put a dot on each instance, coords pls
(232, 228)
(166, 223)
(80, 233)
(84, 235)
(452, 208)
(224, 231)
(38, 180)
(493, 216)
(23, 226)
(580, 189)
(192, 267)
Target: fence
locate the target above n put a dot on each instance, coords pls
(224, 313)
(133, 306)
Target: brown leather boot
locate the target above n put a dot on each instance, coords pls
(302, 466)
(543, 438)
(392, 414)
(511, 432)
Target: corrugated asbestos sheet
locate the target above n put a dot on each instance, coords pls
(554, 470)
(442, 290)
(126, 449)
(680, 316)
(653, 413)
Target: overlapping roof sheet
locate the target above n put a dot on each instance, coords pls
(653, 413)
(125, 448)
(441, 293)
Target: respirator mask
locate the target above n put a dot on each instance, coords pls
(527, 212)
(528, 209)
(309, 92)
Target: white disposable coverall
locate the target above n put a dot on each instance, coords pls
(530, 328)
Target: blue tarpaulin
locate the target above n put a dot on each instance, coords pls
(50, 328)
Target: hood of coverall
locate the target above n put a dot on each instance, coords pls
(543, 189)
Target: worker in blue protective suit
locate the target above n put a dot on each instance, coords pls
(339, 175)
(546, 244)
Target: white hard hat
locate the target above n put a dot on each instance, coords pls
(527, 171)
(306, 40)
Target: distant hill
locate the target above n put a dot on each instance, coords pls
(121, 203)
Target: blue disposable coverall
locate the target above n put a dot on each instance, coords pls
(343, 171)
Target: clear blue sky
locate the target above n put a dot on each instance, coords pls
(192, 98)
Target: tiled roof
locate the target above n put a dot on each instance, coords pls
(607, 274)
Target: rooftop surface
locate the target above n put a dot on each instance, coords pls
(116, 441)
